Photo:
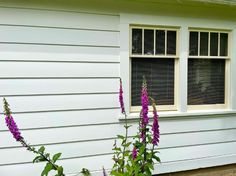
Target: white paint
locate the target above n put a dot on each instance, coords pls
(233, 72)
(58, 19)
(188, 141)
(177, 142)
(62, 102)
(59, 69)
(125, 63)
(77, 118)
(105, 160)
(56, 36)
(57, 86)
(64, 118)
(58, 53)
(183, 69)
(84, 54)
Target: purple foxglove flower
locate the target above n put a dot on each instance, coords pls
(121, 99)
(144, 111)
(144, 101)
(155, 126)
(12, 126)
(134, 153)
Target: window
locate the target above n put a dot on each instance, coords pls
(154, 54)
(207, 65)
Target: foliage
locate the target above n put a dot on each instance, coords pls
(41, 154)
(139, 161)
(131, 158)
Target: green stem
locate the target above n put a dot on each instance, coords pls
(145, 144)
(152, 149)
(124, 147)
(55, 167)
(145, 149)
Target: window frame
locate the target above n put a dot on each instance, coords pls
(227, 66)
(173, 107)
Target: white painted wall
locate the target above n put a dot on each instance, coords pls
(60, 73)
(60, 69)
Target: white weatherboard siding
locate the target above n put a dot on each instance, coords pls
(60, 69)
(61, 79)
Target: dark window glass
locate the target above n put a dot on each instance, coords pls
(159, 73)
(223, 44)
(206, 81)
(193, 44)
(214, 44)
(148, 41)
(136, 41)
(171, 42)
(204, 43)
(160, 42)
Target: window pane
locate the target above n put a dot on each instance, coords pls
(136, 41)
(206, 81)
(160, 42)
(214, 44)
(148, 41)
(193, 44)
(223, 44)
(159, 73)
(204, 43)
(171, 42)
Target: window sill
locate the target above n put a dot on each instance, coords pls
(180, 115)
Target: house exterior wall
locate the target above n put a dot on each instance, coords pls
(228, 170)
(60, 67)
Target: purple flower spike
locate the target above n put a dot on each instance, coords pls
(155, 126)
(134, 153)
(121, 99)
(11, 124)
(145, 103)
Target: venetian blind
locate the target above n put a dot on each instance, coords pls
(206, 81)
(159, 74)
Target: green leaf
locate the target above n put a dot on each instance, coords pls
(117, 149)
(142, 148)
(120, 137)
(41, 149)
(47, 155)
(60, 171)
(115, 173)
(127, 144)
(150, 166)
(157, 158)
(127, 126)
(85, 172)
(47, 169)
(149, 139)
(38, 158)
(147, 170)
(56, 157)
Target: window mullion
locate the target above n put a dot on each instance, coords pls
(218, 44)
(183, 66)
(142, 41)
(154, 46)
(198, 44)
(209, 43)
(165, 42)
